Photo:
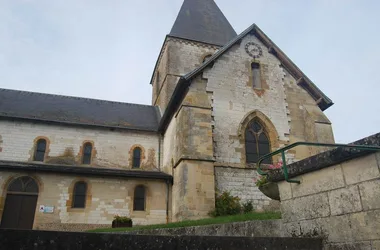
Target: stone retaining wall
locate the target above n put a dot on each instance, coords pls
(41, 240)
(241, 182)
(339, 201)
(264, 228)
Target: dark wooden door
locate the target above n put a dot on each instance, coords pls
(20, 204)
(19, 211)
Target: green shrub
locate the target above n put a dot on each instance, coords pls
(122, 219)
(226, 204)
(247, 207)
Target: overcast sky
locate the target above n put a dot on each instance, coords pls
(107, 49)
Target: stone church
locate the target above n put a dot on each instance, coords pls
(220, 101)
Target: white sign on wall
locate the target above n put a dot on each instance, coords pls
(49, 209)
(46, 209)
(42, 208)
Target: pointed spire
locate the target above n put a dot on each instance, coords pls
(203, 21)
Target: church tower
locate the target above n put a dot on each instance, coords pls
(199, 30)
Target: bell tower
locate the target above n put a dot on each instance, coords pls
(199, 30)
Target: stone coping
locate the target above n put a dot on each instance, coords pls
(325, 159)
(80, 170)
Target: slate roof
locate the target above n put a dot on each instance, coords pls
(78, 111)
(202, 20)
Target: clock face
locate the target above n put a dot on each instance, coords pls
(253, 50)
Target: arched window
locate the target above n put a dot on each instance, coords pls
(79, 195)
(87, 153)
(256, 78)
(23, 184)
(39, 154)
(139, 199)
(256, 143)
(136, 158)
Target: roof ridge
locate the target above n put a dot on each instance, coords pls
(73, 97)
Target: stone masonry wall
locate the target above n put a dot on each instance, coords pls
(111, 148)
(340, 203)
(106, 197)
(229, 82)
(241, 182)
(178, 57)
(41, 240)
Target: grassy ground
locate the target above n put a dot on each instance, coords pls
(208, 221)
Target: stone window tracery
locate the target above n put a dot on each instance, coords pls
(256, 143)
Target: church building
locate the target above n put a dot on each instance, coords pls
(220, 101)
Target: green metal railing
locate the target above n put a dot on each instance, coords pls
(282, 152)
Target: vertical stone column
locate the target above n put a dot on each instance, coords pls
(194, 182)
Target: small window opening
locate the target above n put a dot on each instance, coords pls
(79, 195)
(87, 153)
(136, 158)
(139, 199)
(39, 154)
(256, 77)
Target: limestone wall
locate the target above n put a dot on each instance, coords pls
(340, 202)
(241, 182)
(281, 100)
(106, 197)
(111, 148)
(178, 57)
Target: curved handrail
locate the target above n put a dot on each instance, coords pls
(282, 151)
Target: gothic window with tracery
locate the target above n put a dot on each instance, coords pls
(256, 143)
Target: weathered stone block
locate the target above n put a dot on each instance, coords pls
(319, 181)
(335, 228)
(361, 169)
(345, 200)
(309, 207)
(285, 190)
(376, 245)
(370, 194)
(365, 225)
(321, 227)
(349, 246)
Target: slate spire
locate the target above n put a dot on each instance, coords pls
(203, 21)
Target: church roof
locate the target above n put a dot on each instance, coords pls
(79, 111)
(202, 21)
